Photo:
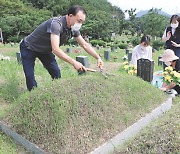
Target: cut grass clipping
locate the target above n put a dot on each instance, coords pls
(77, 115)
(162, 136)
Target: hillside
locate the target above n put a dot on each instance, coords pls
(143, 12)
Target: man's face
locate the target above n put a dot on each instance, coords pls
(78, 18)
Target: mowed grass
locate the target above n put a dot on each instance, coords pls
(75, 116)
(162, 136)
(76, 113)
(8, 146)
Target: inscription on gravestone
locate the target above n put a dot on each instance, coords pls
(145, 69)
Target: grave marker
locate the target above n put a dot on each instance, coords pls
(107, 55)
(129, 57)
(159, 62)
(84, 61)
(68, 50)
(127, 51)
(145, 69)
(18, 56)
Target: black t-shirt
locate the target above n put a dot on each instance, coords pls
(39, 39)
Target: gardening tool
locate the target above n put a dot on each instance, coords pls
(100, 71)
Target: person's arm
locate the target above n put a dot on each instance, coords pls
(175, 44)
(89, 49)
(165, 36)
(59, 53)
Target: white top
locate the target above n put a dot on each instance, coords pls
(164, 35)
(139, 53)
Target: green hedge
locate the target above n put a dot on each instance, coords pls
(97, 42)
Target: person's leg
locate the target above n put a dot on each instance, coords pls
(49, 62)
(28, 61)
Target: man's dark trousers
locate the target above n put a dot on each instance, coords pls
(28, 61)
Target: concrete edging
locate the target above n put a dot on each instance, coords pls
(129, 132)
(21, 140)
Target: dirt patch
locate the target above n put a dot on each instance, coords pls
(108, 66)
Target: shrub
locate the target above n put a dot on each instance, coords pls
(123, 45)
(97, 42)
(157, 44)
(135, 40)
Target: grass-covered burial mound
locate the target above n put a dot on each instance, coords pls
(77, 115)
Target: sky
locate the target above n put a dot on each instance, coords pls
(165, 5)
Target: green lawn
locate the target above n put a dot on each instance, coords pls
(8, 146)
(77, 112)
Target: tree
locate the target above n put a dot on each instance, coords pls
(153, 23)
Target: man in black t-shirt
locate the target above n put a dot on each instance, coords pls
(45, 40)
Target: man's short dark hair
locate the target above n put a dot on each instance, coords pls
(75, 9)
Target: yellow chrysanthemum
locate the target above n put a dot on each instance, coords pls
(131, 72)
(168, 78)
(126, 67)
(176, 74)
(125, 63)
(169, 68)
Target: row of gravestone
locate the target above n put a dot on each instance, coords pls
(107, 56)
(145, 67)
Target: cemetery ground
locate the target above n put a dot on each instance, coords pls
(74, 114)
(162, 136)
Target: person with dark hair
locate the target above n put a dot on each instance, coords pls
(169, 31)
(45, 40)
(174, 42)
(143, 50)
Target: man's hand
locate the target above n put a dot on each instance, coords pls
(168, 35)
(100, 63)
(175, 44)
(78, 66)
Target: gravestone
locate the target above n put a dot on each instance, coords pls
(112, 49)
(68, 50)
(18, 56)
(129, 57)
(160, 62)
(145, 69)
(107, 55)
(127, 51)
(84, 61)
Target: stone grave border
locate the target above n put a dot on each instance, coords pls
(112, 145)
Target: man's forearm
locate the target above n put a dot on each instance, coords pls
(89, 49)
(59, 53)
